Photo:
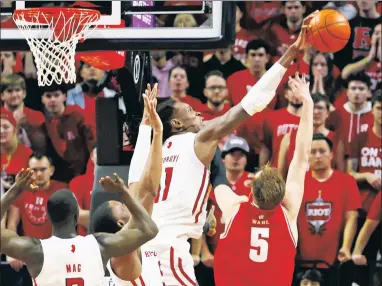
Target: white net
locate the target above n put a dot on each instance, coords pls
(53, 37)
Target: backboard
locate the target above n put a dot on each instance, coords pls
(146, 25)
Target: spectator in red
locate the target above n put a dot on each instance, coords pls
(371, 64)
(178, 86)
(284, 34)
(354, 117)
(234, 155)
(14, 155)
(82, 187)
(243, 36)
(70, 138)
(223, 61)
(320, 114)
(93, 84)
(13, 92)
(275, 125)
(240, 82)
(259, 12)
(30, 207)
(362, 27)
(216, 93)
(327, 216)
(364, 162)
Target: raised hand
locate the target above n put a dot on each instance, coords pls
(151, 112)
(116, 185)
(300, 87)
(152, 95)
(302, 41)
(25, 180)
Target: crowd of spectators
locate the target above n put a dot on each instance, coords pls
(52, 131)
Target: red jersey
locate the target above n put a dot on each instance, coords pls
(323, 215)
(292, 145)
(240, 189)
(277, 124)
(375, 210)
(366, 148)
(255, 243)
(348, 123)
(243, 37)
(34, 118)
(82, 187)
(33, 210)
(12, 164)
(262, 11)
(209, 114)
(239, 84)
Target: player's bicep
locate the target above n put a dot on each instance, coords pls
(294, 189)
(118, 244)
(23, 248)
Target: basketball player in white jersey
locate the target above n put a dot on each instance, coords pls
(188, 150)
(66, 259)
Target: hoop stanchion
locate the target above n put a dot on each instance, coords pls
(52, 35)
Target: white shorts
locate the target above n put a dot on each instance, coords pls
(173, 264)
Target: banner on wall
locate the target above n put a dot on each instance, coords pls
(143, 20)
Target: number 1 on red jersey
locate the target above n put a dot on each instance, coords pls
(166, 189)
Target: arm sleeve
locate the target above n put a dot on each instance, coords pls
(218, 172)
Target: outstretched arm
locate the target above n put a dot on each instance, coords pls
(145, 186)
(23, 248)
(297, 169)
(140, 229)
(256, 100)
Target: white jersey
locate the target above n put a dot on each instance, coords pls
(71, 262)
(114, 280)
(180, 206)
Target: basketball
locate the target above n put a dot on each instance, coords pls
(329, 31)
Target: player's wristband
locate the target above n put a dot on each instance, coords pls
(262, 93)
(141, 154)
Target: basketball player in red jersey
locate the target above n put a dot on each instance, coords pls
(261, 235)
(188, 149)
(66, 259)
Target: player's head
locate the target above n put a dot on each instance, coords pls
(311, 277)
(240, 9)
(257, 55)
(110, 217)
(235, 152)
(53, 98)
(377, 107)
(366, 5)
(215, 88)
(321, 155)
(358, 88)
(178, 117)
(178, 80)
(268, 188)
(321, 109)
(42, 168)
(13, 90)
(8, 128)
(294, 10)
(63, 209)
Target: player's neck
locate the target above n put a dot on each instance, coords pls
(377, 129)
(233, 176)
(370, 14)
(213, 107)
(257, 73)
(293, 27)
(13, 108)
(65, 232)
(320, 129)
(322, 175)
(178, 94)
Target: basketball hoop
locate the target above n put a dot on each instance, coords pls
(52, 35)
